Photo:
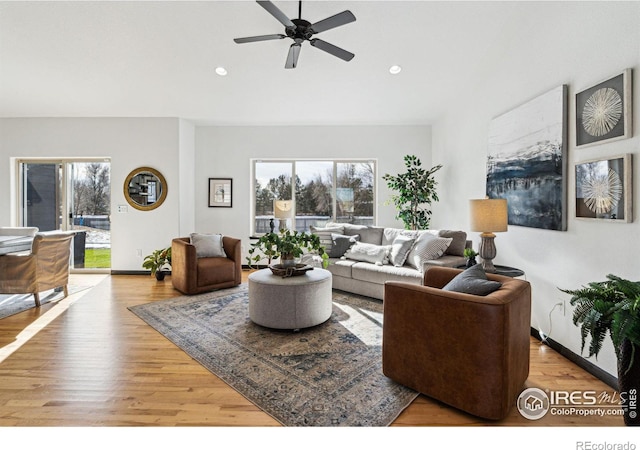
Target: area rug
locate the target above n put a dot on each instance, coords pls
(11, 304)
(327, 375)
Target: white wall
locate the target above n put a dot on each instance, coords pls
(227, 152)
(187, 162)
(187, 156)
(578, 44)
(130, 143)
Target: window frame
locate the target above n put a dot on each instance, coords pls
(334, 161)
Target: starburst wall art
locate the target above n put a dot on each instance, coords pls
(603, 189)
(603, 112)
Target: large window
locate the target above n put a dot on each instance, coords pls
(298, 194)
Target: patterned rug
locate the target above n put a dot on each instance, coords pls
(327, 375)
(11, 304)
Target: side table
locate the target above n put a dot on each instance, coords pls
(504, 270)
(509, 271)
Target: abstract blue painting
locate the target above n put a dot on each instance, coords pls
(527, 161)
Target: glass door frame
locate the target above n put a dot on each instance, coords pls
(64, 194)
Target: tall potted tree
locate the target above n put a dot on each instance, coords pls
(416, 190)
(613, 307)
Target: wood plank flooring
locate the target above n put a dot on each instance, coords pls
(97, 364)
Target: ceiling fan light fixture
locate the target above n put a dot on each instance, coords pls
(395, 70)
(221, 71)
(301, 30)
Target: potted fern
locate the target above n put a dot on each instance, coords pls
(613, 307)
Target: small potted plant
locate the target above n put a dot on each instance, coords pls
(157, 262)
(613, 307)
(470, 254)
(286, 245)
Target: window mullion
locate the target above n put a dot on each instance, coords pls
(334, 191)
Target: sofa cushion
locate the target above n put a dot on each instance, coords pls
(341, 243)
(472, 281)
(446, 261)
(214, 271)
(458, 244)
(400, 249)
(374, 254)
(325, 235)
(427, 247)
(208, 245)
(341, 267)
(375, 274)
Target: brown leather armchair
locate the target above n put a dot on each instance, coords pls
(470, 352)
(45, 267)
(193, 275)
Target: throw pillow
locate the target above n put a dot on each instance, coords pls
(368, 234)
(472, 281)
(458, 244)
(390, 234)
(371, 235)
(426, 248)
(371, 253)
(341, 243)
(325, 235)
(208, 245)
(400, 250)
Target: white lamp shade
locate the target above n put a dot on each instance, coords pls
(282, 209)
(488, 215)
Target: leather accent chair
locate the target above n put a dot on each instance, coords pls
(192, 275)
(45, 267)
(470, 352)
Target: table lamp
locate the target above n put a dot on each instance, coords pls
(282, 211)
(488, 216)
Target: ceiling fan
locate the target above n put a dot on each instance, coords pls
(301, 30)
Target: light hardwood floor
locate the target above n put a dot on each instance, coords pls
(94, 363)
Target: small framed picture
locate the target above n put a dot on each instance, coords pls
(603, 189)
(603, 112)
(220, 192)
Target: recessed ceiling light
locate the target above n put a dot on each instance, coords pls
(394, 70)
(221, 71)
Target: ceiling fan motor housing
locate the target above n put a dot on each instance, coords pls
(302, 30)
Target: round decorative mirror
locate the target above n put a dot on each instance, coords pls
(145, 188)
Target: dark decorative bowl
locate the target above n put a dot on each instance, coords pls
(290, 271)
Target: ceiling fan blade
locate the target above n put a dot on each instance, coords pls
(292, 57)
(275, 12)
(332, 49)
(266, 37)
(339, 19)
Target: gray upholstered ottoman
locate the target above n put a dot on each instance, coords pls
(290, 303)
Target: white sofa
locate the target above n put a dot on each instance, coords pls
(363, 270)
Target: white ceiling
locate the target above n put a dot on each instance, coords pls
(158, 59)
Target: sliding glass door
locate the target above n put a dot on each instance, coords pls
(73, 195)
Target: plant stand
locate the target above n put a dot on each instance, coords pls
(629, 382)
